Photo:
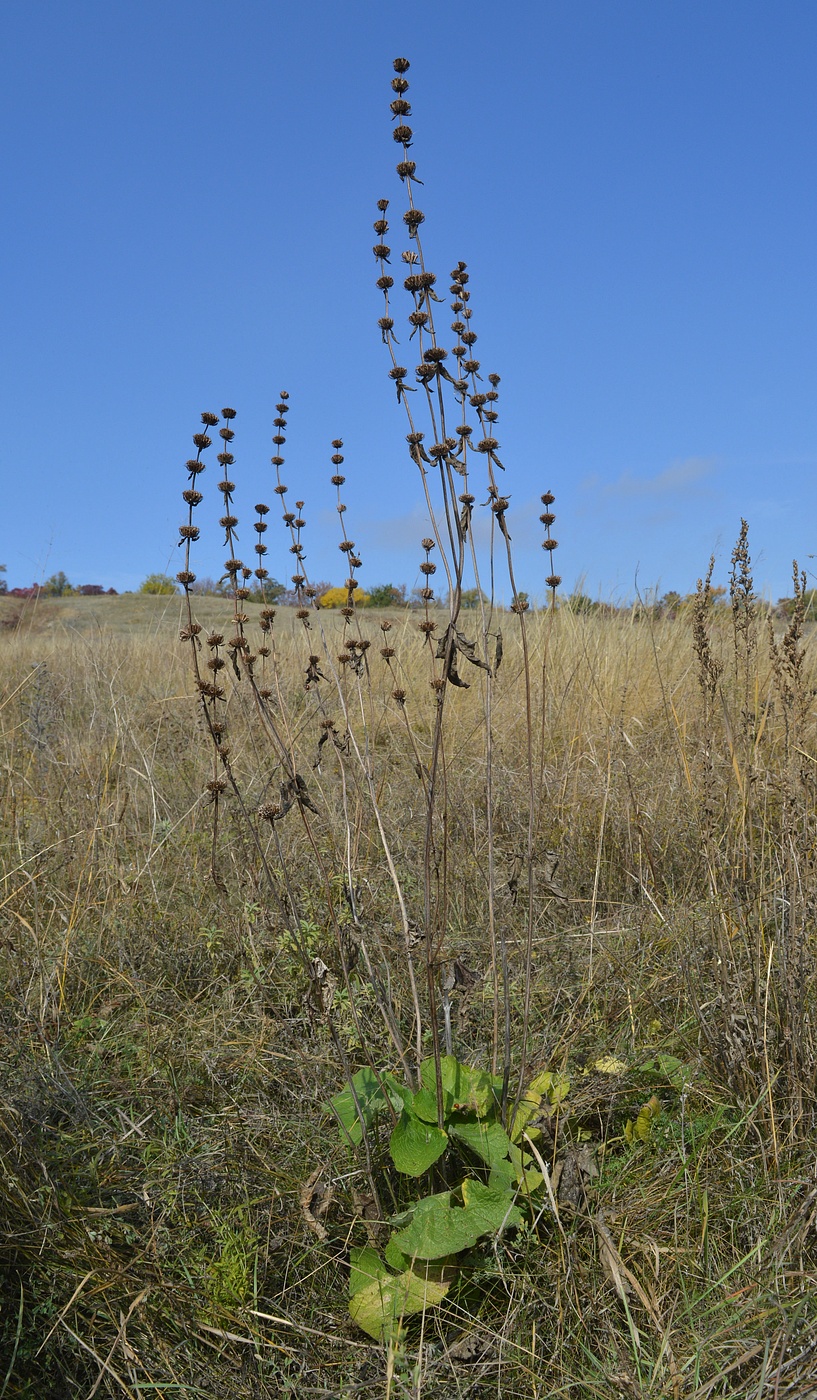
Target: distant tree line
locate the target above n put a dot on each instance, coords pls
(392, 595)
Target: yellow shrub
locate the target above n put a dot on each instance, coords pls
(338, 597)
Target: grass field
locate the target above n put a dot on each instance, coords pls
(177, 1206)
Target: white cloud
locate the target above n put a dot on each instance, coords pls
(673, 480)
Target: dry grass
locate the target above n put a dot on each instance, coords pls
(164, 1079)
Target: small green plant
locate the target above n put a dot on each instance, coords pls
(498, 1175)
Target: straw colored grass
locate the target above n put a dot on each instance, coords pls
(164, 1079)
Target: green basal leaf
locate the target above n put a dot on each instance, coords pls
(366, 1267)
(488, 1140)
(471, 1089)
(528, 1105)
(502, 1177)
(415, 1145)
(424, 1104)
(379, 1307)
(442, 1229)
(405, 1217)
(395, 1258)
(551, 1084)
(525, 1171)
(373, 1100)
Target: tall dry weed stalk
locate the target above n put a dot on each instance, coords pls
(340, 705)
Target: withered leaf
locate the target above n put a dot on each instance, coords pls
(464, 976)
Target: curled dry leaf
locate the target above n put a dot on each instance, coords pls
(316, 1196)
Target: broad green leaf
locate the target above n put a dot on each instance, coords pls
(551, 1084)
(379, 1307)
(424, 1104)
(366, 1266)
(525, 1109)
(488, 1140)
(443, 1229)
(502, 1176)
(560, 1087)
(373, 1100)
(471, 1089)
(495, 1208)
(525, 1171)
(395, 1258)
(405, 1217)
(415, 1145)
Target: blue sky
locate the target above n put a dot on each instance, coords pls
(189, 191)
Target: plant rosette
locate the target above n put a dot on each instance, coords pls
(430, 1237)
